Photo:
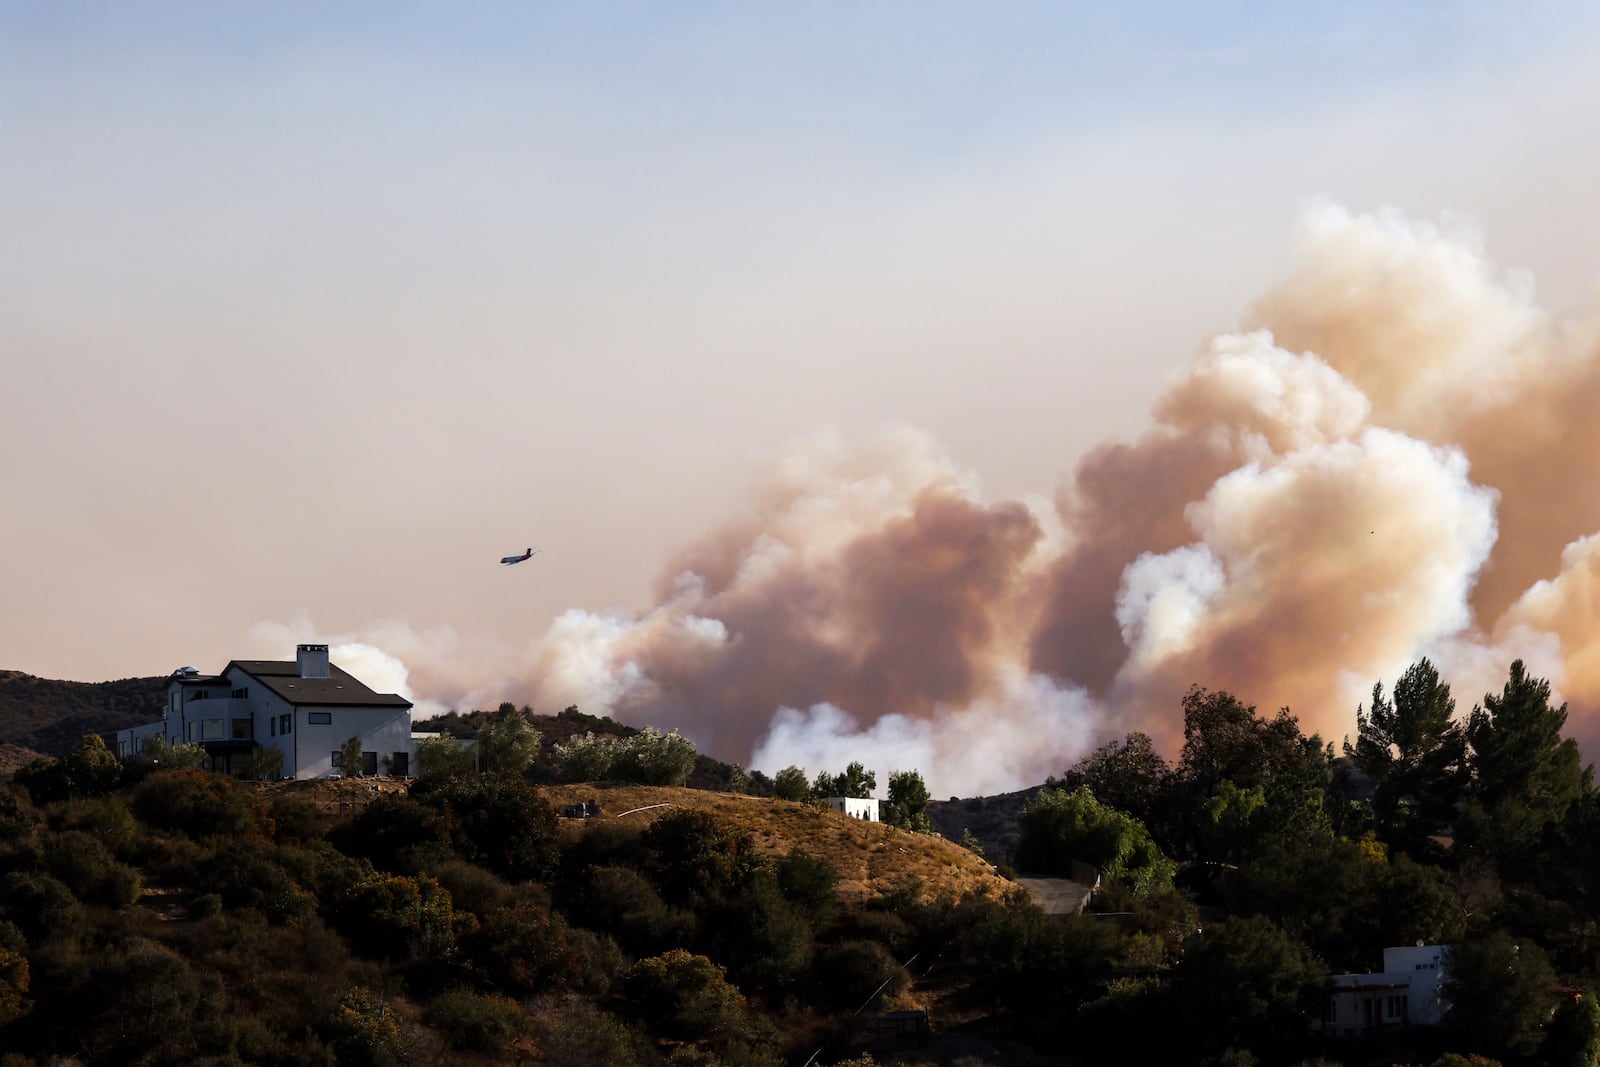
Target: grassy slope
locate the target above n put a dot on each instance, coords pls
(871, 858)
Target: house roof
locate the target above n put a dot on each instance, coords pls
(340, 688)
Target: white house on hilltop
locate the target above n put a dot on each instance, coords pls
(1405, 993)
(306, 707)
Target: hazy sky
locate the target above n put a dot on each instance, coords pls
(308, 316)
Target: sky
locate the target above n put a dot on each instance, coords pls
(946, 386)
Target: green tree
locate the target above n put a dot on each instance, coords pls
(261, 763)
(587, 758)
(1415, 753)
(508, 742)
(92, 768)
(1130, 776)
(1246, 984)
(1058, 827)
(856, 781)
(1525, 776)
(348, 759)
(790, 784)
(1224, 740)
(1573, 1037)
(159, 754)
(443, 756)
(651, 757)
(1501, 992)
(908, 802)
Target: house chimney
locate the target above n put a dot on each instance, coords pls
(311, 661)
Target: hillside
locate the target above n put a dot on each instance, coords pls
(53, 716)
(871, 858)
(992, 820)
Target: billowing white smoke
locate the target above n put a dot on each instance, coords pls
(1397, 458)
(1019, 735)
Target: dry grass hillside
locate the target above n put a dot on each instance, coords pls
(871, 858)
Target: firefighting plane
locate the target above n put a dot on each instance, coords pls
(508, 560)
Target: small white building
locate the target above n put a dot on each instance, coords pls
(1405, 993)
(306, 707)
(855, 807)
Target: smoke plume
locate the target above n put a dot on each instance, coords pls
(1394, 457)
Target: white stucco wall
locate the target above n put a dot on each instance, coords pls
(855, 807)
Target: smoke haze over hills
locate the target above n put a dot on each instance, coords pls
(951, 398)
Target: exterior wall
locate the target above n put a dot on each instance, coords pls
(1425, 966)
(383, 731)
(1405, 993)
(855, 807)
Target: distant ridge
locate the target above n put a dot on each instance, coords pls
(53, 716)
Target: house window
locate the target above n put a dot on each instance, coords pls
(1395, 1007)
(243, 729)
(240, 694)
(272, 726)
(283, 723)
(211, 729)
(319, 718)
(400, 764)
(369, 764)
(197, 694)
(338, 759)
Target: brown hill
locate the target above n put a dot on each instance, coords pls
(53, 716)
(871, 858)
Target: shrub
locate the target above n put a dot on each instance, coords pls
(682, 995)
(811, 884)
(498, 821)
(574, 1033)
(199, 804)
(106, 819)
(17, 818)
(847, 973)
(623, 903)
(158, 754)
(472, 888)
(38, 904)
(249, 874)
(364, 1031)
(134, 993)
(295, 818)
(393, 917)
(476, 1022)
(397, 834)
(695, 858)
(85, 866)
(14, 981)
